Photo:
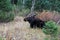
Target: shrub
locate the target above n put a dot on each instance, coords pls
(5, 5)
(51, 29)
(6, 17)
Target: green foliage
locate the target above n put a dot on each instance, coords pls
(6, 17)
(5, 5)
(0, 38)
(40, 5)
(28, 3)
(52, 5)
(50, 28)
(46, 39)
(24, 12)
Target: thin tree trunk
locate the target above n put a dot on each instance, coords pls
(32, 8)
(23, 4)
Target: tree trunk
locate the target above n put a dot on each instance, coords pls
(32, 8)
(23, 4)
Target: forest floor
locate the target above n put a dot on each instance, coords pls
(20, 30)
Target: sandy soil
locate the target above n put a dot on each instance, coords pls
(20, 30)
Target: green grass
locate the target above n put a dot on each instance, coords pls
(0, 38)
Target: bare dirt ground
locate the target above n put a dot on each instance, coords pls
(20, 30)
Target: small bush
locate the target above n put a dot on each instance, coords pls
(6, 17)
(51, 29)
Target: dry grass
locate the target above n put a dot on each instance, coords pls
(20, 30)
